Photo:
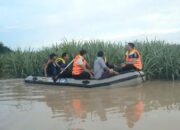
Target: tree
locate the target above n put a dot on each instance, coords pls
(4, 49)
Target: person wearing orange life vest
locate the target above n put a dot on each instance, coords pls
(133, 59)
(81, 69)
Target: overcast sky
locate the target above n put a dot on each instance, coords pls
(37, 23)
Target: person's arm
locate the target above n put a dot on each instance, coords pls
(84, 68)
(45, 68)
(103, 64)
(80, 63)
(58, 64)
(87, 70)
(88, 66)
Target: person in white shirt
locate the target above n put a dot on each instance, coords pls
(101, 70)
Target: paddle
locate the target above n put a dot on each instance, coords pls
(57, 77)
(141, 76)
(67, 66)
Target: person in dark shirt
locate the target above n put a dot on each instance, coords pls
(50, 68)
(62, 62)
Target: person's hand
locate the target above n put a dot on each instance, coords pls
(115, 66)
(92, 76)
(123, 65)
(90, 70)
(111, 70)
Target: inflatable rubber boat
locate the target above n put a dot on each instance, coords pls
(125, 79)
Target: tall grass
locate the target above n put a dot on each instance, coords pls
(160, 59)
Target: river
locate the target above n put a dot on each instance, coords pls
(153, 105)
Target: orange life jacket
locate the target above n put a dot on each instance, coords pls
(138, 63)
(77, 70)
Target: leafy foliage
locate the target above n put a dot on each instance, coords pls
(160, 59)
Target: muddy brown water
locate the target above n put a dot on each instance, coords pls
(153, 105)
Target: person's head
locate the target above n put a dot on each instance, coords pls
(83, 53)
(65, 56)
(100, 54)
(130, 46)
(52, 56)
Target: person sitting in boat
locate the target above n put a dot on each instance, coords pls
(101, 70)
(133, 59)
(62, 63)
(81, 69)
(50, 68)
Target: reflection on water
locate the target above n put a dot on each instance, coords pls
(153, 105)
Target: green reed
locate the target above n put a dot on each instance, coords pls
(160, 59)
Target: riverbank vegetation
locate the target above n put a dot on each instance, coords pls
(161, 60)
